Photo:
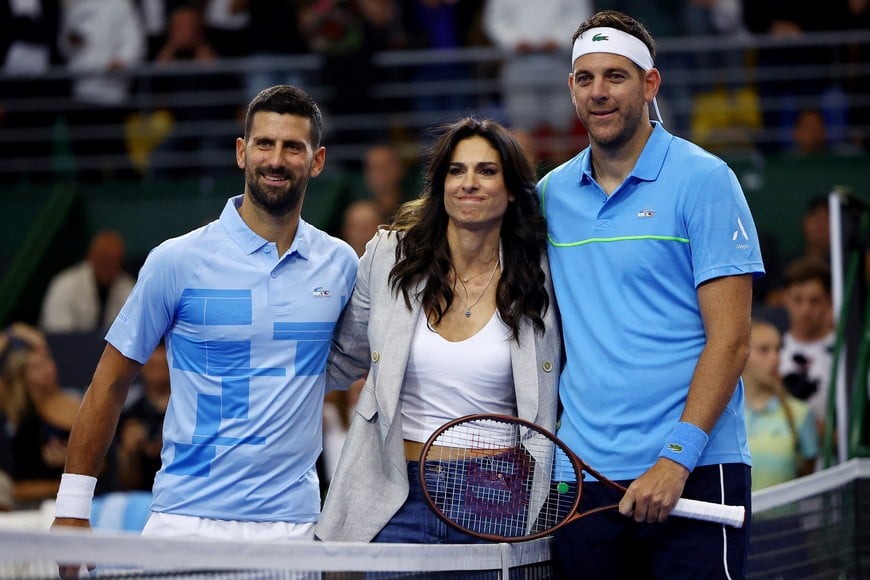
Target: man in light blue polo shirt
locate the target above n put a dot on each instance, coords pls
(653, 251)
(246, 305)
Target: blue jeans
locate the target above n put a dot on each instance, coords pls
(415, 522)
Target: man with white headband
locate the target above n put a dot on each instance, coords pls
(653, 251)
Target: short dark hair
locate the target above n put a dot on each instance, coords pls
(619, 21)
(287, 100)
(808, 269)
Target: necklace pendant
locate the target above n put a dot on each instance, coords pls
(468, 313)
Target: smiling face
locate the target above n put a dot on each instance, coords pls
(278, 160)
(475, 195)
(610, 95)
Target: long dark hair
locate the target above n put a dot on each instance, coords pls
(423, 256)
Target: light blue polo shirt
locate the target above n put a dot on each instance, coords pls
(247, 334)
(625, 271)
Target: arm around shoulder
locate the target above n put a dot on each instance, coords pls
(349, 357)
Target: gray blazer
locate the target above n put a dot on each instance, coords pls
(371, 481)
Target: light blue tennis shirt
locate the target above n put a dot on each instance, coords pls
(247, 334)
(625, 270)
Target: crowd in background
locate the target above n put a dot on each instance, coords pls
(97, 42)
(93, 37)
(786, 378)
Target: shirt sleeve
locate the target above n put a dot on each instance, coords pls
(149, 310)
(721, 229)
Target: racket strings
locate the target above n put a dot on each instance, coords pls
(505, 479)
(496, 478)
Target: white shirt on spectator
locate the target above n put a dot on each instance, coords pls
(72, 303)
(819, 358)
(96, 35)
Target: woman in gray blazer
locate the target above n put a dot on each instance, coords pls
(452, 313)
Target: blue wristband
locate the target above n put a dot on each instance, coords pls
(685, 444)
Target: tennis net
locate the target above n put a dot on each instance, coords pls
(33, 555)
(815, 527)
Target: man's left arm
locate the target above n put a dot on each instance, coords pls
(726, 306)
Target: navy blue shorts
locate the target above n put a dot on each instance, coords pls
(609, 545)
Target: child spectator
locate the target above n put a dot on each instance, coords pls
(781, 430)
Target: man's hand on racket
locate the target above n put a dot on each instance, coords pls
(651, 497)
(67, 570)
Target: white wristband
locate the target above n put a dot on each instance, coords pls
(74, 496)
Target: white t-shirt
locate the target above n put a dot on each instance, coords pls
(446, 380)
(817, 357)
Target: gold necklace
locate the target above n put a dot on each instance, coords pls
(467, 278)
(485, 288)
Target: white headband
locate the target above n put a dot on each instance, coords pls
(613, 41)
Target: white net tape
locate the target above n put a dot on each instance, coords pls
(34, 554)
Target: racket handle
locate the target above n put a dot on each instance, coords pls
(731, 515)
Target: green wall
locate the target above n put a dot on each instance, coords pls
(45, 228)
(33, 245)
(778, 190)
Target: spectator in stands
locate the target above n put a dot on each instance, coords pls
(40, 414)
(442, 25)
(227, 23)
(857, 57)
(6, 462)
(383, 29)
(29, 36)
(360, 223)
(533, 37)
(193, 128)
(88, 296)
(725, 107)
(767, 290)
(816, 230)
(139, 437)
(384, 173)
(809, 133)
(806, 357)
(100, 40)
(715, 18)
(783, 21)
(28, 49)
(816, 245)
(273, 31)
(153, 15)
(186, 39)
(348, 33)
(781, 428)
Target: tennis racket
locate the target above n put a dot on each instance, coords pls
(505, 479)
